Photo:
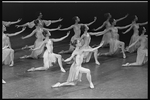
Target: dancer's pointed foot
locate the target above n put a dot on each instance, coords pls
(12, 63)
(124, 56)
(91, 86)
(3, 82)
(127, 64)
(97, 63)
(31, 69)
(23, 57)
(56, 85)
(63, 70)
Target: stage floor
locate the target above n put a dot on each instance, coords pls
(110, 79)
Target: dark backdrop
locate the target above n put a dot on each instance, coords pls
(85, 11)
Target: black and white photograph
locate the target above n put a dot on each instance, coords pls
(74, 49)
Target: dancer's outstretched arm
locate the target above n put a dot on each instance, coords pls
(92, 49)
(29, 24)
(54, 29)
(60, 39)
(71, 57)
(143, 23)
(117, 20)
(48, 22)
(10, 23)
(31, 34)
(55, 21)
(144, 30)
(104, 23)
(99, 33)
(128, 30)
(134, 43)
(14, 34)
(95, 18)
(123, 27)
(39, 47)
(68, 28)
(100, 26)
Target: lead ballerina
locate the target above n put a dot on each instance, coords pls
(76, 69)
(49, 56)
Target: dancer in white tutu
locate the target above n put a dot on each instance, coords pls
(77, 32)
(142, 52)
(135, 26)
(76, 68)
(49, 56)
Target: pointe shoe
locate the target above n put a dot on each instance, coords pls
(63, 70)
(91, 86)
(56, 85)
(124, 56)
(31, 69)
(23, 57)
(3, 82)
(127, 64)
(12, 63)
(97, 63)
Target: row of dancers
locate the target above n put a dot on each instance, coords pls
(79, 45)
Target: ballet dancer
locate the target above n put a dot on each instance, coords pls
(35, 54)
(77, 32)
(135, 26)
(142, 51)
(49, 56)
(8, 52)
(8, 23)
(85, 40)
(76, 68)
(114, 42)
(40, 23)
(106, 37)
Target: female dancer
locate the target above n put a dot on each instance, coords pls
(6, 23)
(8, 52)
(106, 37)
(135, 36)
(40, 38)
(49, 57)
(76, 27)
(142, 51)
(76, 69)
(5, 38)
(114, 41)
(86, 39)
(40, 23)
